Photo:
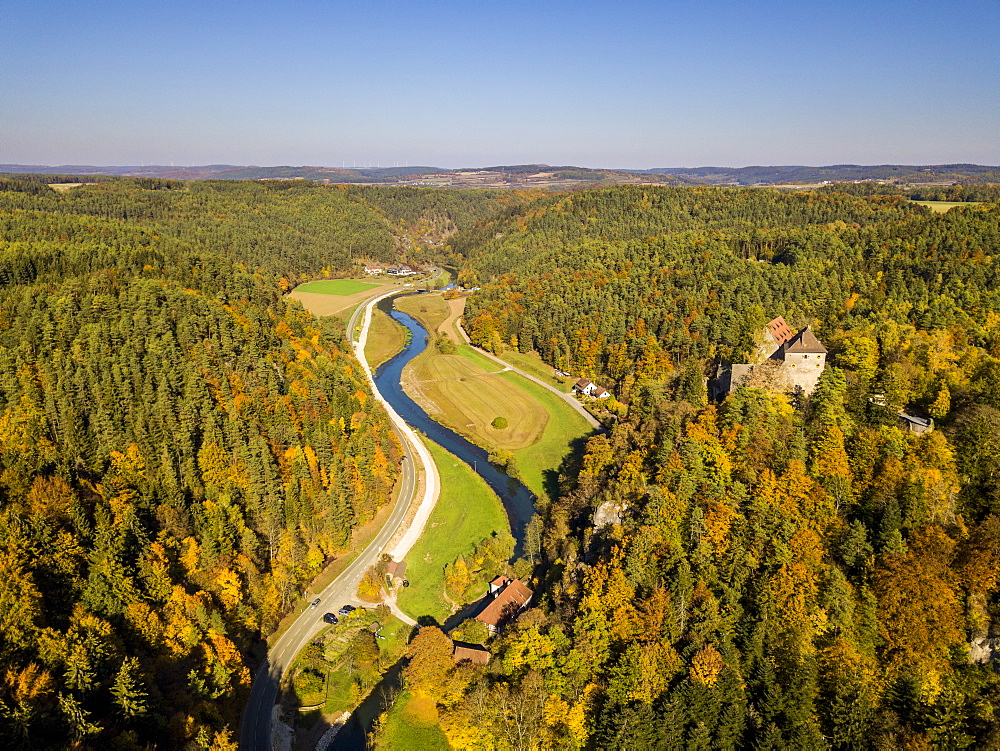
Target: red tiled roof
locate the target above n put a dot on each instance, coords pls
(396, 568)
(779, 330)
(508, 602)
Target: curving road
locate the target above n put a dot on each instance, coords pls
(255, 728)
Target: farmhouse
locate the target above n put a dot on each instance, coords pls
(401, 270)
(510, 597)
(583, 386)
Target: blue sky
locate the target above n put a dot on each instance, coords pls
(469, 83)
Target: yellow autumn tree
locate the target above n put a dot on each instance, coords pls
(706, 665)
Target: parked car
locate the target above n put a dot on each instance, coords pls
(314, 603)
(330, 618)
(347, 609)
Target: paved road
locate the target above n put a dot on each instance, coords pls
(255, 728)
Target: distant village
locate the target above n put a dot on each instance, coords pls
(402, 269)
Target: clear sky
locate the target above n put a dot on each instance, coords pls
(632, 84)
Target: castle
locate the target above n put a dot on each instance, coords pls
(782, 361)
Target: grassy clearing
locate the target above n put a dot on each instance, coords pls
(940, 207)
(533, 364)
(340, 287)
(385, 339)
(412, 723)
(565, 425)
(466, 513)
(469, 398)
(322, 304)
(430, 310)
(463, 390)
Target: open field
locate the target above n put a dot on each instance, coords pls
(385, 339)
(430, 309)
(412, 723)
(940, 207)
(466, 392)
(539, 461)
(341, 287)
(333, 303)
(533, 364)
(470, 399)
(456, 309)
(466, 513)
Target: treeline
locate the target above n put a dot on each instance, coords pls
(779, 579)
(181, 450)
(630, 283)
(956, 192)
(777, 573)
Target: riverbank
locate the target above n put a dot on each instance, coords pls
(467, 390)
(467, 512)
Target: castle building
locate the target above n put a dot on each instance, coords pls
(783, 361)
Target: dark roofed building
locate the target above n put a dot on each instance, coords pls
(396, 569)
(805, 342)
(472, 652)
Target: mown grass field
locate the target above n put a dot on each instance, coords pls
(465, 390)
(469, 393)
(341, 304)
(470, 399)
(385, 339)
(533, 364)
(467, 512)
(341, 287)
(431, 310)
(546, 454)
(940, 207)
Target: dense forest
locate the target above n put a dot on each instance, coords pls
(779, 572)
(181, 450)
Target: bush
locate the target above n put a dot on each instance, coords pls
(309, 685)
(500, 423)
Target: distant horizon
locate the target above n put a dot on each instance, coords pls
(636, 85)
(552, 165)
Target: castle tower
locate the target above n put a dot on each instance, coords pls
(805, 359)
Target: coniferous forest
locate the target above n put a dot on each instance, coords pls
(181, 450)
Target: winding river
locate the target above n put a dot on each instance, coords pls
(517, 500)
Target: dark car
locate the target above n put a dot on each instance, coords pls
(314, 603)
(330, 618)
(347, 609)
